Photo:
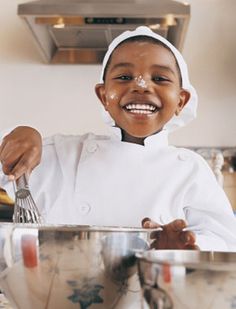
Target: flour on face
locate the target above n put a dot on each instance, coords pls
(140, 82)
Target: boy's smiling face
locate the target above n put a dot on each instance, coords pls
(142, 89)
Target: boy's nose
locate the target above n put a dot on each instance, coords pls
(141, 84)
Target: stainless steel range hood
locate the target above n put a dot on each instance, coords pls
(79, 31)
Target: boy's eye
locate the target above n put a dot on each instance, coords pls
(160, 79)
(124, 77)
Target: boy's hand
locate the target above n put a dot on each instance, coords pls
(172, 236)
(20, 151)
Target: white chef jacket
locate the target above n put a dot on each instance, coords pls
(100, 180)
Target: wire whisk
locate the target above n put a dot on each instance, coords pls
(25, 210)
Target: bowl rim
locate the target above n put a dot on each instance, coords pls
(195, 259)
(74, 227)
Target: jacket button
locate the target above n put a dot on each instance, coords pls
(183, 156)
(92, 147)
(85, 208)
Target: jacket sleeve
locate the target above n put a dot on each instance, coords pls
(208, 211)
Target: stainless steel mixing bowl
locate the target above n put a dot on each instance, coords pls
(71, 266)
(188, 279)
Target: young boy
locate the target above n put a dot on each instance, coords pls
(133, 174)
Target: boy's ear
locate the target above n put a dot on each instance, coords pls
(184, 97)
(100, 92)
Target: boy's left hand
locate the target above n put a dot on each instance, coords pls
(172, 235)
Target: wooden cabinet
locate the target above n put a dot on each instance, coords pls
(230, 187)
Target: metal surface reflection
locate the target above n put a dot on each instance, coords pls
(188, 279)
(61, 266)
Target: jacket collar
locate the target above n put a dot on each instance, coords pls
(155, 141)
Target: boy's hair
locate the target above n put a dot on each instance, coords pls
(143, 38)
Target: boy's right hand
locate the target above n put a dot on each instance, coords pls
(20, 151)
(172, 236)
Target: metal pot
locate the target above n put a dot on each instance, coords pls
(70, 266)
(182, 279)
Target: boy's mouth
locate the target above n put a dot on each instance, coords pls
(141, 108)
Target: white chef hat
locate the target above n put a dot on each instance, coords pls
(189, 111)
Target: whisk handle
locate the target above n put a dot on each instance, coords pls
(22, 183)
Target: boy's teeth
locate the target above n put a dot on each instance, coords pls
(140, 111)
(140, 108)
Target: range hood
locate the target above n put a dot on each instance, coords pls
(79, 31)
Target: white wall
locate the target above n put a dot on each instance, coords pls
(60, 98)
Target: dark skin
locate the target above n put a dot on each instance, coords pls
(20, 151)
(142, 73)
(172, 236)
